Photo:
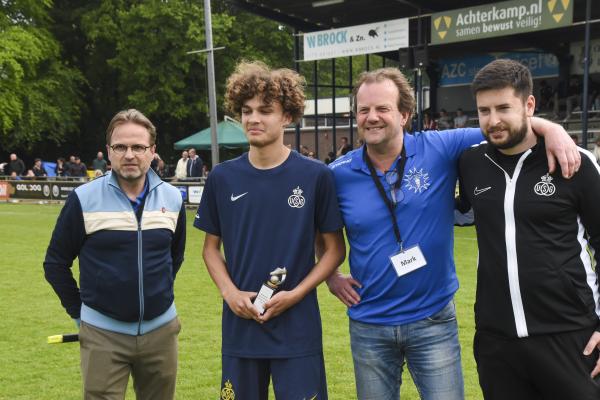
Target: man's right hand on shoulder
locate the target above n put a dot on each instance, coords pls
(343, 287)
(240, 303)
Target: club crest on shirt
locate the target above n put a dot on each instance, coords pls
(545, 187)
(296, 200)
(416, 180)
(227, 392)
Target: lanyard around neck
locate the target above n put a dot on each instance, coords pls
(400, 171)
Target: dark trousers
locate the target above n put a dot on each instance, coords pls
(545, 367)
(293, 378)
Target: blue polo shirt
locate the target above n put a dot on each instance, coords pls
(425, 218)
(268, 219)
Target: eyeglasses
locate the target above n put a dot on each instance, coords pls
(391, 177)
(137, 149)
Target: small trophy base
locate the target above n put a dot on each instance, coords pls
(263, 296)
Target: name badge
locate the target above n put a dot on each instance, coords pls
(408, 260)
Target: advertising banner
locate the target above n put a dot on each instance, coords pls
(500, 19)
(60, 190)
(461, 70)
(355, 40)
(42, 190)
(195, 194)
(4, 193)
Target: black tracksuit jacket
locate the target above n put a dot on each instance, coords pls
(536, 234)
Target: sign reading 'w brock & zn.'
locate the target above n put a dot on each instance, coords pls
(354, 40)
(500, 19)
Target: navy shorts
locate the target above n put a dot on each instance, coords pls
(299, 378)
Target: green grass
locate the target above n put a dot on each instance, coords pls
(30, 311)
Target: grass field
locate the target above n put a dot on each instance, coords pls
(30, 311)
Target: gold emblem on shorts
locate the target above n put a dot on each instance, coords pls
(227, 392)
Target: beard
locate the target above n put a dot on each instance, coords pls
(515, 135)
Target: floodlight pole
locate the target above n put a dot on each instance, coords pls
(212, 95)
(419, 83)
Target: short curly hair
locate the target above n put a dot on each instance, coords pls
(255, 78)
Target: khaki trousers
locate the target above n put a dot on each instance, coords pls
(107, 359)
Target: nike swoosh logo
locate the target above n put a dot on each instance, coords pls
(239, 196)
(477, 192)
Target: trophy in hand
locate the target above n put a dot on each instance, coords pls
(269, 288)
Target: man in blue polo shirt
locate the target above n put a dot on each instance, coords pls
(396, 195)
(265, 207)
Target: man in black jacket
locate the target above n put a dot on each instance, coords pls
(536, 310)
(16, 166)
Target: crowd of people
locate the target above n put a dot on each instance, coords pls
(189, 167)
(444, 120)
(263, 212)
(74, 168)
(567, 96)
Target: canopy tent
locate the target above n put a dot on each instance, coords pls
(230, 135)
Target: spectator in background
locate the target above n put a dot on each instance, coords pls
(304, 150)
(68, 165)
(154, 163)
(595, 97)
(444, 121)
(460, 121)
(205, 171)
(78, 169)
(194, 165)
(16, 166)
(596, 150)
(548, 99)
(61, 168)
(575, 138)
(99, 163)
(180, 169)
(344, 147)
(161, 169)
(330, 157)
(429, 124)
(574, 92)
(38, 169)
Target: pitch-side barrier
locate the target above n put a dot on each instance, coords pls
(50, 189)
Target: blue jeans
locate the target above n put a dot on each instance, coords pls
(431, 349)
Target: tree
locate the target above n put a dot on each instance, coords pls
(67, 66)
(39, 93)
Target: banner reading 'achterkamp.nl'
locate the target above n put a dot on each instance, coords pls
(499, 19)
